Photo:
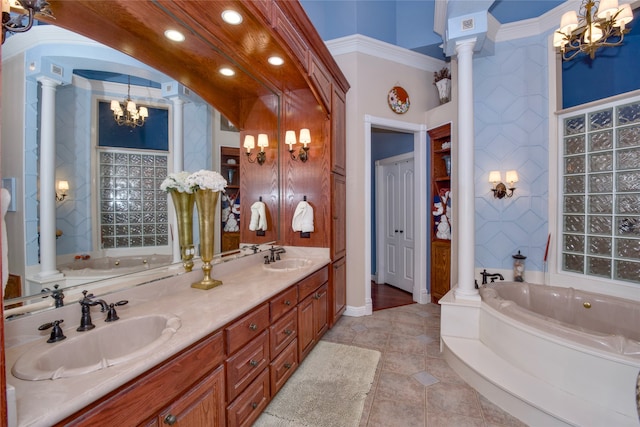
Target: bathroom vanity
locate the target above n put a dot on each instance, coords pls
(235, 347)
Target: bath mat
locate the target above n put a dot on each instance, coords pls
(328, 389)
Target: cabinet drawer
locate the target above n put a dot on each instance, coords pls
(311, 283)
(248, 406)
(283, 367)
(283, 302)
(246, 364)
(248, 327)
(283, 332)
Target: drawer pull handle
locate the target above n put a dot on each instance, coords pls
(170, 419)
(287, 302)
(253, 363)
(287, 365)
(253, 326)
(254, 405)
(288, 331)
(317, 296)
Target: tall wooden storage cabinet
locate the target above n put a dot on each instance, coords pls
(441, 226)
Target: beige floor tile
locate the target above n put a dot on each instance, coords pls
(440, 369)
(406, 344)
(387, 413)
(401, 388)
(453, 399)
(371, 339)
(439, 419)
(494, 416)
(403, 363)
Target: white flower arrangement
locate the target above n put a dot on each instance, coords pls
(176, 181)
(206, 180)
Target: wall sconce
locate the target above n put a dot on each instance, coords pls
(499, 189)
(250, 144)
(61, 190)
(305, 138)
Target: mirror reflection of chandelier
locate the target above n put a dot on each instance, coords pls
(128, 113)
(600, 24)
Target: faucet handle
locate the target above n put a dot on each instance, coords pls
(112, 316)
(56, 332)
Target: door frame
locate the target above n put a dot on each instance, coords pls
(381, 216)
(420, 152)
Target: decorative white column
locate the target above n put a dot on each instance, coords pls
(47, 202)
(178, 163)
(466, 188)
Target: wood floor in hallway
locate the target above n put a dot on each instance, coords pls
(386, 296)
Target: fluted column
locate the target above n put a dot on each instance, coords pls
(466, 189)
(47, 174)
(178, 162)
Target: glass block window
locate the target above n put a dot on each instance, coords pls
(133, 209)
(600, 173)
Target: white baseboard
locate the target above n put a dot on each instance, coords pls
(356, 311)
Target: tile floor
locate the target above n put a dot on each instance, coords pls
(414, 386)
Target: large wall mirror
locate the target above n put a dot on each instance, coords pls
(113, 209)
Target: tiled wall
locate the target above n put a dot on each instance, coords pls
(511, 130)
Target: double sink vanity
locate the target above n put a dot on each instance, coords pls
(177, 355)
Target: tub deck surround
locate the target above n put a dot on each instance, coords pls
(541, 377)
(246, 284)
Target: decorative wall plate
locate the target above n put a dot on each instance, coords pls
(398, 100)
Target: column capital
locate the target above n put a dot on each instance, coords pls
(466, 45)
(48, 82)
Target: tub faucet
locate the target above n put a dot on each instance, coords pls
(86, 303)
(491, 276)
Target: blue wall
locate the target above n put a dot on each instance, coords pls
(511, 130)
(383, 145)
(612, 72)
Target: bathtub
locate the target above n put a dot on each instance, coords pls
(583, 345)
(110, 266)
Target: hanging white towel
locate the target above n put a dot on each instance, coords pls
(258, 217)
(303, 218)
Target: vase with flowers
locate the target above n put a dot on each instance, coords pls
(442, 81)
(183, 201)
(206, 186)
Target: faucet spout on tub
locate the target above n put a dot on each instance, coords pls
(492, 276)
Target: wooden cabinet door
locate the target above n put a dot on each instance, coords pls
(320, 311)
(440, 269)
(203, 405)
(338, 216)
(338, 132)
(306, 331)
(338, 290)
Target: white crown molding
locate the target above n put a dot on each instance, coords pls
(358, 43)
(42, 35)
(440, 16)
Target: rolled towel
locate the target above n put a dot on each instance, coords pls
(303, 218)
(258, 217)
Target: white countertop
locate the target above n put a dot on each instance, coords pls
(246, 284)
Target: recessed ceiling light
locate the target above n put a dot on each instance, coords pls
(231, 17)
(275, 60)
(225, 71)
(174, 35)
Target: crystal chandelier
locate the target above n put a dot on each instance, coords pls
(128, 113)
(600, 24)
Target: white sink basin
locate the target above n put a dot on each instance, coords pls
(104, 346)
(289, 264)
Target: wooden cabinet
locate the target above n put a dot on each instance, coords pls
(441, 226)
(203, 405)
(229, 377)
(230, 203)
(337, 290)
(338, 216)
(147, 396)
(312, 320)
